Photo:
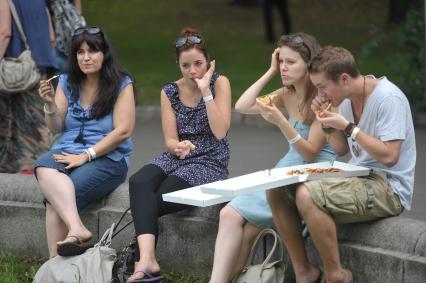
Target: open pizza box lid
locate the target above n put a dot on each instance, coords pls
(194, 196)
(224, 191)
(278, 177)
(249, 183)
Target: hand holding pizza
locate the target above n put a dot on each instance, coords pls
(183, 148)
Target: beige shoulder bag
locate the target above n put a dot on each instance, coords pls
(266, 272)
(94, 265)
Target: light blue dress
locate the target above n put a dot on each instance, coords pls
(254, 207)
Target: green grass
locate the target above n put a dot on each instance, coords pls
(21, 269)
(17, 269)
(181, 278)
(143, 33)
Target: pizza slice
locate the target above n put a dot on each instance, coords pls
(313, 171)
(266, 99)
(323, 108)
(191, 146)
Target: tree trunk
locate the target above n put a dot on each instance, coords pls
(398, 9)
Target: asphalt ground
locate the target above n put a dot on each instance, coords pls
(256, 146)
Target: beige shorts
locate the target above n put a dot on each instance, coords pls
(354, 199)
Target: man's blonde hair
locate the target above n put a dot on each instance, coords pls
(334, 61)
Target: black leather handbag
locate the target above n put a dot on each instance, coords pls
(125, 261)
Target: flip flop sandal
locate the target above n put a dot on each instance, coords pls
(349, 276)
(73, 248)
(321, 278)
(154, 277)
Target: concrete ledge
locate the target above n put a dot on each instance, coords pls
(148, 113)
(388, 250)
(152, 112)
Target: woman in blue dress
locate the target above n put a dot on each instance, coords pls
(244, 217)
(93, 110)
(196, 116)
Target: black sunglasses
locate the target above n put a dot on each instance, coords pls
(89, 30)
(192, 38)
(296, 40)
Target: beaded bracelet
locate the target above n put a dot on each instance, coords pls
(88, 154)
(47, 112)
(295, 139)
(92, 153)
(354, 133)
(208, 98)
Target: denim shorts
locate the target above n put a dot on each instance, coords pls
(92, 180)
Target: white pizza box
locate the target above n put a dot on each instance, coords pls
(278, 177)
(249, 183)
(194, 196)
(349, 170)
(224, 191)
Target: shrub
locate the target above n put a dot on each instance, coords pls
(413, 76)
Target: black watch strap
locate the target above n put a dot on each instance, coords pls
(348, 130)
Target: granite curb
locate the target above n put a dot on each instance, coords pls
(388, 250)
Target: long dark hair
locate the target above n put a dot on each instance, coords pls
(111, 73)
(308, 47)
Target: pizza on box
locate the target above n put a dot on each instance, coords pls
(314, 171)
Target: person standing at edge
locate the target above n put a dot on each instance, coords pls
(23, 132)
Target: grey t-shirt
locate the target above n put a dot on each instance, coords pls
(387, 116)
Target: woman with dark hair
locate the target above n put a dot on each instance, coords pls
(244, 217)
(196, 116)
(93, 110)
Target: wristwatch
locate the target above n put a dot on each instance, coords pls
(348, 130)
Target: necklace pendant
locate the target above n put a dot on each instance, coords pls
(356, 150)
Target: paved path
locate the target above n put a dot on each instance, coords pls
(256, 146)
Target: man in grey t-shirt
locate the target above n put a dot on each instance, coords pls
(374, 124)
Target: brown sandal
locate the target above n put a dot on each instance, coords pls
(73, 248)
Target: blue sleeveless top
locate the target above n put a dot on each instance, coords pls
(78, 119)
(35, 22)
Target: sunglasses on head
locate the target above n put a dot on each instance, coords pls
(89, 30)
(192, 38)
(296, 40)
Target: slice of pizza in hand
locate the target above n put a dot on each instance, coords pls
(266, 99)
(324, 107)
(191, 146)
